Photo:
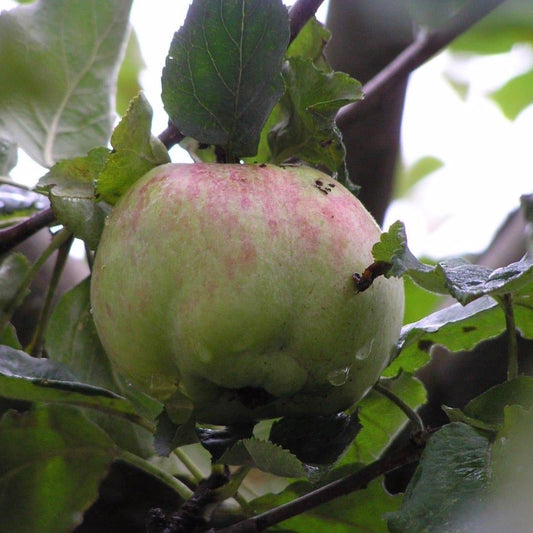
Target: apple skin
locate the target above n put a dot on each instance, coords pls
(232, 284)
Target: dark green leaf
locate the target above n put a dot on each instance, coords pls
(58, 72)
(53, 460)
(318, 440)
(222, 74)
(27, 378)
(305, 127)
(266, 456)
(451, 479)
(13, 269)
(70, 184)
(8, 156)
(169, 435)
(219, 441)
(382, 420)
(136, 151)
(359, 512)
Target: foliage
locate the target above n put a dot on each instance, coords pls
(237, 90)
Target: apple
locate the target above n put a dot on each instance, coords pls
(232, 285)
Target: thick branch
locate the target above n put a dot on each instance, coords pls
(359, 480)
(14, 235)
(415, 55)
(300, 12)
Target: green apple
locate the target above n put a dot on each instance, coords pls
(232, 285)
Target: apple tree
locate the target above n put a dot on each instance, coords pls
(232, 353)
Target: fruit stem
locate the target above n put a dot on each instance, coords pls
(36, 344)
(512, 344)
(142, 464)
(413, 416)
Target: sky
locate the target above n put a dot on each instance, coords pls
(488, 159)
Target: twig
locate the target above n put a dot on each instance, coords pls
(171, 136)
(359, 480)
(416, 54)
(300, 12)
(512, 344)
(14, 235)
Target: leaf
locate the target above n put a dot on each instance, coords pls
(318, 440)
(266, 456)
(458, 328)
(222, 74)
(128, 85)
(382, 421)
(310, 43)
(53, 460)
(464, 281)
(359, 512)
(515, 95)
(30, 379)
(451, 478)
(8, 156)
(219, 441)
(13, 269)
(70, 186)
(306, 126)
(136, 151)
(58, 72)
(169, 435)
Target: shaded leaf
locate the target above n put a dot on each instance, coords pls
(135, 152)
(53, 460)
(266, 456)
(316, 440)
(27, 378)
(169, 435)
(222, 74)
(452, 477)
(57, 82)
(128, 85)
(359, 512)
(219, 441)
(70, 185)
(13, 269)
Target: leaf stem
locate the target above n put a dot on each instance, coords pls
(188, 463)
(14, 235)
(356, 481)
(512, 344)
(36, 344)
(416, 54)
(57, 241)
(413, 416)
(178, 486)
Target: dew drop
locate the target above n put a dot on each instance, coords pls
(339, 377)
(365, 351)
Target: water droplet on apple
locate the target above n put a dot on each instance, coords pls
(339, 377)
(365, 351)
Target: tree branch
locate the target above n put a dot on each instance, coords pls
(300, 12)
(14, 235)
(415, 55)
(171, 136)
(359, 480)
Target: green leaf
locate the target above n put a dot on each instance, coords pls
(72, 339)
(451, 479)
(408, 177)
(310, 43)
(464, 281)
(13, 269)
(318, 440)
(70, 186)
(489, 406)
(136, 151)
(305, 127)
(8, 156)
(169, 435)
(266, 456)
(30, 379)
(222, 75)
(382, 420)
(359, 512)
(515, 95)
(58, 72)
(53, 460)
